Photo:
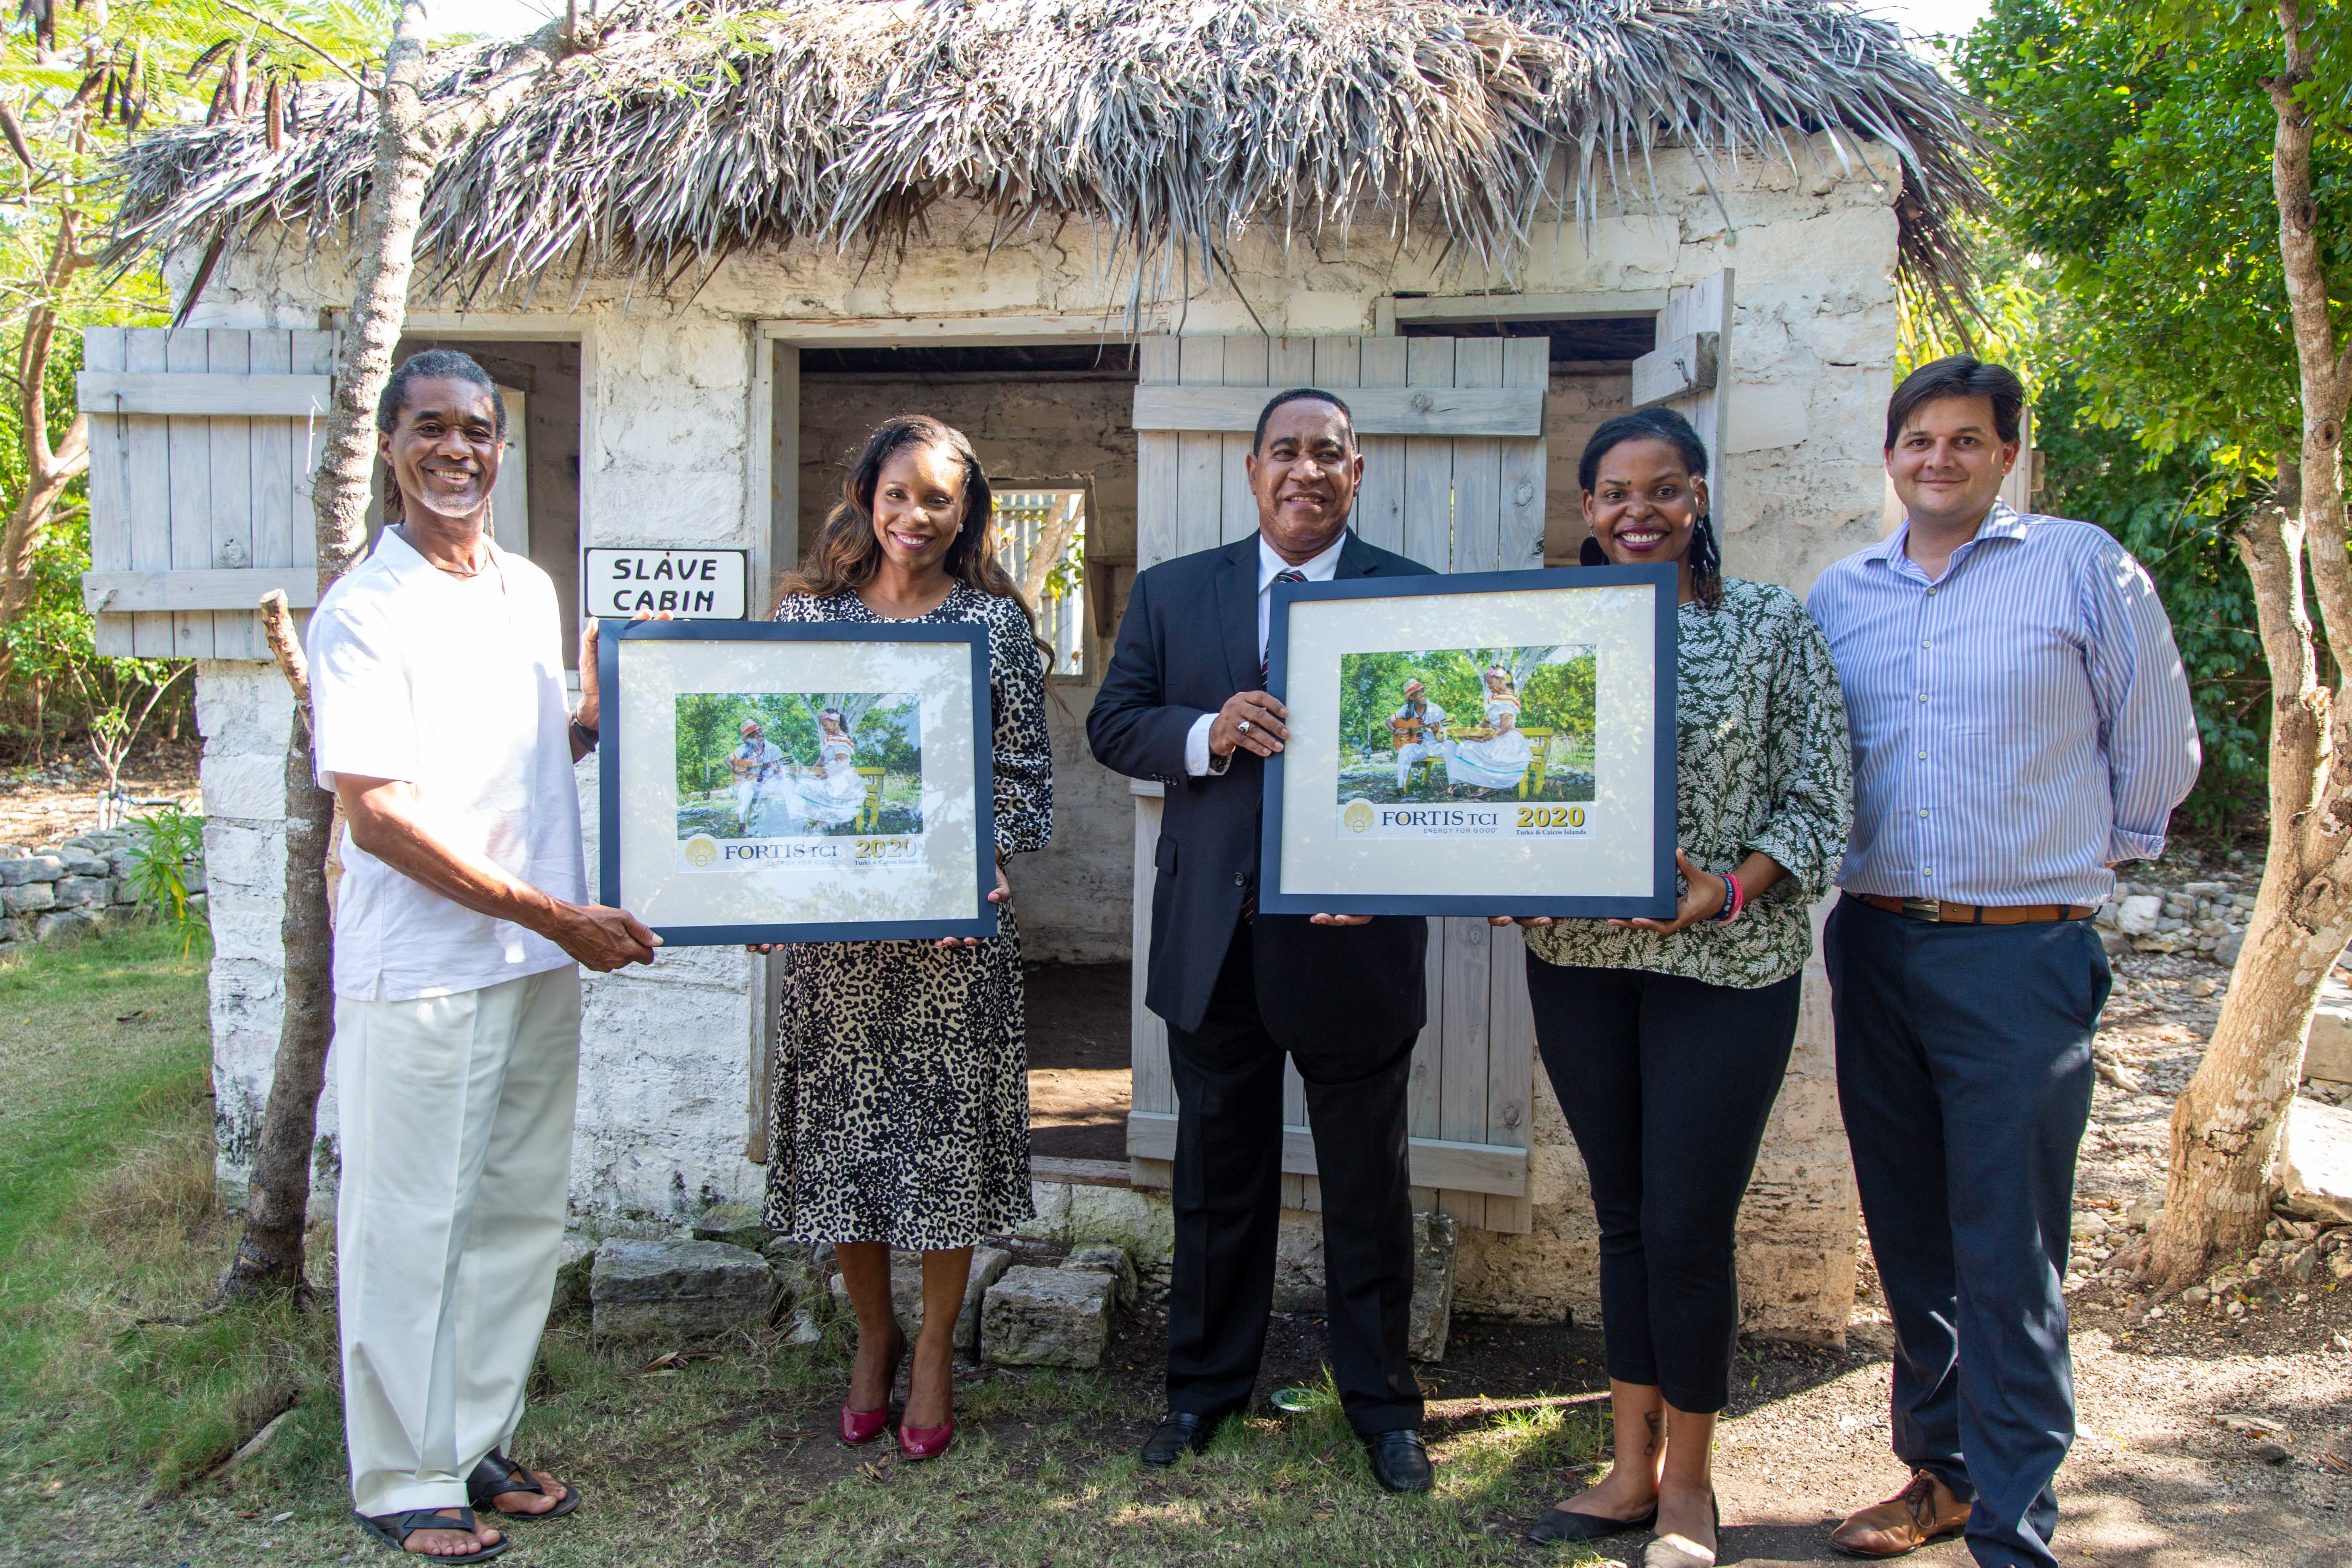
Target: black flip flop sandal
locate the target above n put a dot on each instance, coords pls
(395, 1529)
(497, 1474)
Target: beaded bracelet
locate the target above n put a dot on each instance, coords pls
(1735, 898)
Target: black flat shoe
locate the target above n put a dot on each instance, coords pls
(1178, 1430)
(1400, 1460)
(1567, 1524)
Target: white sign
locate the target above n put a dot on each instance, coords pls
(692, 584)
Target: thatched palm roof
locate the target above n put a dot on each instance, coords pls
(701, 127)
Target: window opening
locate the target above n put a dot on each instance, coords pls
(1041, 539)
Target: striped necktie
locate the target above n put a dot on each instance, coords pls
(1265, 657)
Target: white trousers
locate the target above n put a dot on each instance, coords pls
(456, 1154)
(1408, 756)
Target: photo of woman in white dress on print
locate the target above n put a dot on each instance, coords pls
(1499, 763)
(831, 792)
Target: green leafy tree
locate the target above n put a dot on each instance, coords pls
(75, 81)
(2185, 170)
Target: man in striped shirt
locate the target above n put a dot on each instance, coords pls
(2021, 723)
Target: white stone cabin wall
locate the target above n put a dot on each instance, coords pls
(673, 455)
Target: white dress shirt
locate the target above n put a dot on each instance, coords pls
(1321, 569)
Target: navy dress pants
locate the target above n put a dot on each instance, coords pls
(1964, 1071)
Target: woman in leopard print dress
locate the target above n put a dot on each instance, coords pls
(900, 1114)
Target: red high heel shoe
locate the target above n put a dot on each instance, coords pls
(925, 1442)
(859, 1427)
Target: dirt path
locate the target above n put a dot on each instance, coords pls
(2156, 1478)
(50, 805)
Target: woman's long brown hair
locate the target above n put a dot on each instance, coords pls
(847, 554)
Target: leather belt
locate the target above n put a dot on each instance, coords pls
(1975, 914)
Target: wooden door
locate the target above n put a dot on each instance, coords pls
(202, 444)
(1452, 431)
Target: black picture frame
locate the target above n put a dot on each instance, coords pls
(613, 727)
(1659, 904)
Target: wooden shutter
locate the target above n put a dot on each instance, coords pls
(202, 444)
(1690, 370)
(1453, 477)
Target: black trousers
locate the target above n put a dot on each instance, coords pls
(1228, 1199)
(1964, 1070)
(1666, 1083)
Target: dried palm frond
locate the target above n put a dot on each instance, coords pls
(701, 127)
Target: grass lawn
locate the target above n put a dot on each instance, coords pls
(120, 1394)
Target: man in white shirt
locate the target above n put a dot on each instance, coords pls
(1184, 701)
(759, 767)
(439, 722)
(1422, 720)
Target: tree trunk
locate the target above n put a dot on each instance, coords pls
(47, 471)
(2226, 1125)
(409, 143)
(269, 1253)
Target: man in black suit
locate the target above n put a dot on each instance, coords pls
(1184, 702)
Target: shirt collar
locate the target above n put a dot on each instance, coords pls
(1321, 569)
(2003, 521)
(404, 562)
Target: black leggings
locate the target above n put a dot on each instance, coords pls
(1666, 1083)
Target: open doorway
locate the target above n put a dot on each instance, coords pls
(1053, 425)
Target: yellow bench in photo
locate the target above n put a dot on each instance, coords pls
(869, 814)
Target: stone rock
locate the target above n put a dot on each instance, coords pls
(1111, 1261)
(2195, 1296)
(1047, 1317)
(84, 863)
(988, 1265)
(26, 897)
(2088, 1224)
(2114, 941)
(682, 1290)
(2300, 1266)
(575, 1261)
(65, 925)
(83, 892)
(2328, 1057)
(2316, 1161)
(31, 869)
(1430, 1320)
(2226, 950)
(2138, 915)
(737, 1225)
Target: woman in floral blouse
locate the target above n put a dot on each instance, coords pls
(1666, 1040)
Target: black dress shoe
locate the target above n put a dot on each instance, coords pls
(1400, 1460)
(1566, 1524)
(1178, 1430)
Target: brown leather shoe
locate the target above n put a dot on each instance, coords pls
(1909, 1519)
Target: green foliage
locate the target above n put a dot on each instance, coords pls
(170, 845)
(2133, 163)
(79, 81)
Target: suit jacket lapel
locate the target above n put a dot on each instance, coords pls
(1356, 558)
(1237, 613)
